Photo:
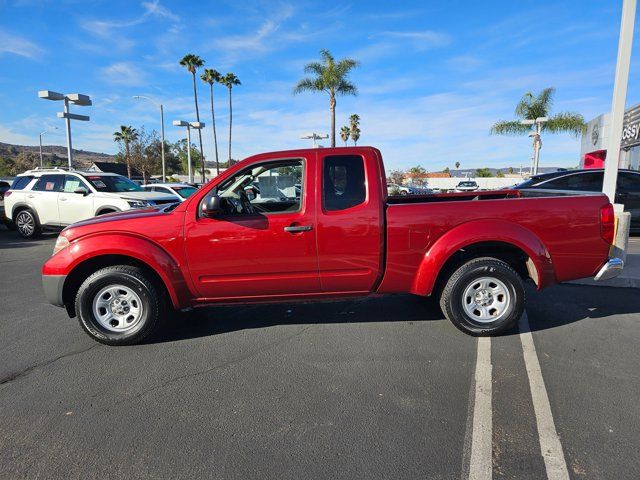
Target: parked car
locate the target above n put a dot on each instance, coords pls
(339, 238)
(627, 188)
(181, 191)
(4, 186)
(406, 190)
(467, 186)
(53, 198)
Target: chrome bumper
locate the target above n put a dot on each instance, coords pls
(611, 269)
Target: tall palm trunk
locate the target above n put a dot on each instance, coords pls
(332, 107)
(126, 149)
(195, 98)
(230, 124)
(215, 138)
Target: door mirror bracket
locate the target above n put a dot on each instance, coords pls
(81, 191)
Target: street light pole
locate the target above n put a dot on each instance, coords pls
(142, 97)
(77, 99)
(619, 98)
(68, 125)
(189, 125)
(41, 134)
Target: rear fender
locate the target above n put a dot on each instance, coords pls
(481, 231)
(91, 247)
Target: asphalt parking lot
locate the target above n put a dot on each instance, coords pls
(375, 388)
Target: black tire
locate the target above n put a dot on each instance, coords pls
(27, 224)
(459, 289)
(104, 212)
(133, 279)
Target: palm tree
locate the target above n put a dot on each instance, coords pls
(457, 165)
(330, 77)
(354, 120)
(533, 106)
(230, 80)
(192, 62)
(126, 135)
(212, 76)
(345, 133)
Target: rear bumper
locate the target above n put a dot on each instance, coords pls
(611, 269)
(53, 285)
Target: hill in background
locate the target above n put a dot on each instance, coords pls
(55, 154)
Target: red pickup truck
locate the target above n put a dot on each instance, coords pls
(318, 224)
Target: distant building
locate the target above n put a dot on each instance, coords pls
(117, 168)
(593, 147)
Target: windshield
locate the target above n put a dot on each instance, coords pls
(185, 192)
(467, 184)
(113, 183)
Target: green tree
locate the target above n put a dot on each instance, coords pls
(533, 106)
(192, 62)
(446, 170)
(457, 165)
(212, 76)
(180, 151)
(230, 81)
(396, 177)
(345, 133)
(124, 137)
(499, 174)
(330, 77)
(483, 173)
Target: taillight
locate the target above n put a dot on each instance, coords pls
(607, 223)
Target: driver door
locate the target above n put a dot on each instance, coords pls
(73, 207)
(267, 248)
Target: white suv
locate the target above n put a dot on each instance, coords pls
(53, 198)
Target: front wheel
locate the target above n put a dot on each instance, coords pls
(485, 296)
(119, 305)
(27, 224)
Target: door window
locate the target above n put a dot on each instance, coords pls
(629, 182)
(344, 184)
(72, 183)
(586, 182)
(49, 183)
(274, 187)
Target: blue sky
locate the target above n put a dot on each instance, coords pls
(434, 76)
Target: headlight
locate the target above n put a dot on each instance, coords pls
(61, 243)
(138, 203)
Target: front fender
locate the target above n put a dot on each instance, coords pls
(126, 244)
(481, 231)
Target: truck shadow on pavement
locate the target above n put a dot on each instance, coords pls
(555, 307)
(10, 239)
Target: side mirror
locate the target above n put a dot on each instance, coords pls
(81, 191)
(210, 206)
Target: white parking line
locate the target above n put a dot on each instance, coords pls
(480, 464)
(550, 446)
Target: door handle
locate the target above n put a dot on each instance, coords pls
(31, 196)
(297, 228)
(63, 199)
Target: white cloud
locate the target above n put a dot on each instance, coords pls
(151, 9)
(19, 46)
(124, 73)
(421, 39)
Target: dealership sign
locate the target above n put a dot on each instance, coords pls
(631, 128)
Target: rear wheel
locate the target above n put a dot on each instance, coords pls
(485, 296)
(27, 224)
(119, 305)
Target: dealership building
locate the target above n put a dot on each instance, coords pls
(593, 151)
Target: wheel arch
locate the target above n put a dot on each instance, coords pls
(507, 241)
(89, 254)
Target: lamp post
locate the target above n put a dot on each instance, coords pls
(142, 97)
(313, 137)
(189, 125)
(537, 140)
(75, 98)
(41, 134)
